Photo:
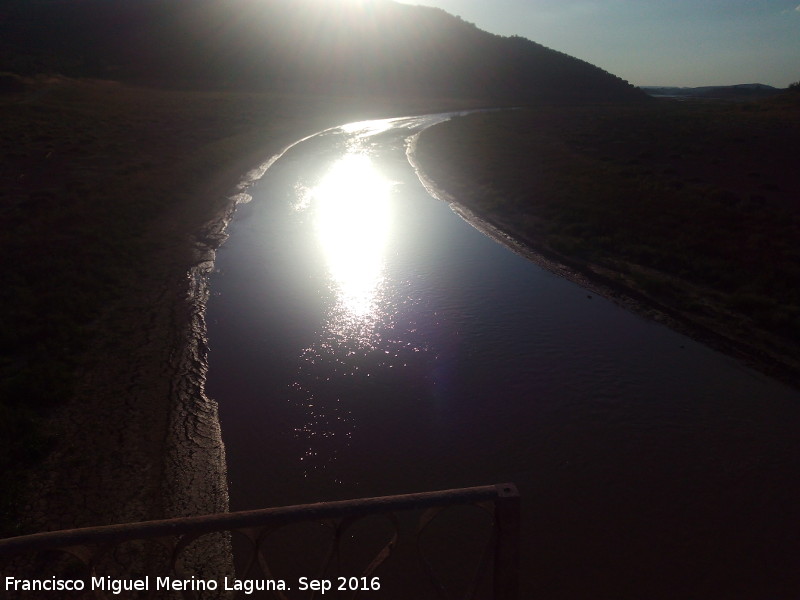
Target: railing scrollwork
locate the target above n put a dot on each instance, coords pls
(227, 555)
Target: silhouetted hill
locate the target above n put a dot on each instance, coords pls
(302, 45)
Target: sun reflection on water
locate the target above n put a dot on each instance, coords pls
(351, 208)
(352, 221)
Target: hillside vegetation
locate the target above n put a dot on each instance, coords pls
(302, 45)
(688, 207)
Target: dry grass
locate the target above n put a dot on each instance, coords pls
(691, 207)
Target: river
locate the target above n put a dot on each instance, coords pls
(365, 340)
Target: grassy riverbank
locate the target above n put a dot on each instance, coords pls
(686, 208)
(105, 189)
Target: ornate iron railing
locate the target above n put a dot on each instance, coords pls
(182, 557)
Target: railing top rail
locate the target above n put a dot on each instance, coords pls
(254, 518)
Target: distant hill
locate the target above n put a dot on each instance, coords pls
(303, 45)
(742, 91)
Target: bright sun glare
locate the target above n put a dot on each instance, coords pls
(353, 217)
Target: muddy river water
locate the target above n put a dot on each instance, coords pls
(366, 340)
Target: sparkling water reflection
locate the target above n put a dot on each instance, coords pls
(352, 215)
(352, 221)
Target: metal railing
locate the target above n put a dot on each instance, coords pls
(84, 555)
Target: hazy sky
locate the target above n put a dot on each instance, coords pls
(655, 42)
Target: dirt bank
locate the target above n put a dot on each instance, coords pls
(647, 220)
